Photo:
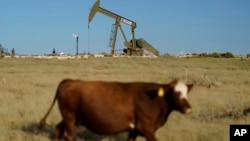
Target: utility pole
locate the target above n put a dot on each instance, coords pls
(76, 37)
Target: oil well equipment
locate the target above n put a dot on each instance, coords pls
(134, 46)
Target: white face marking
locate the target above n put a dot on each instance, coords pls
(132, 125)
(182, 88)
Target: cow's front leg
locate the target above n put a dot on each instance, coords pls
(150, 137)
(148, 132)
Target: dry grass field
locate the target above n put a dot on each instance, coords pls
(221, 95)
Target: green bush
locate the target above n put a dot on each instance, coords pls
(227, 55)
(203, 54)
(217, 55)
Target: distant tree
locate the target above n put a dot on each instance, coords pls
(2, 52)
(13, 53)
(1, 49)
(54, 51)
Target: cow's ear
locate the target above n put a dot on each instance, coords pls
(190, 87)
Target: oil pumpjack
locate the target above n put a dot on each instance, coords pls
(135, 46)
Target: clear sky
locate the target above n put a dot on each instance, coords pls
(171, 26)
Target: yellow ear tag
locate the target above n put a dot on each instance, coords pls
(160, 92)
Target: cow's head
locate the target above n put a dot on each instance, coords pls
(177, 96)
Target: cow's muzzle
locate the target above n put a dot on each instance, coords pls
(188, 111)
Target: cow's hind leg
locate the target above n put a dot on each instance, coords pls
(60, 128)
(70, 129)
(133, 134)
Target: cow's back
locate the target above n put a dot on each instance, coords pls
(103, 107)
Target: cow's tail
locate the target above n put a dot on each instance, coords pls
(43, 120)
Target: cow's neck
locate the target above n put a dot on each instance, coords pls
(166, 109)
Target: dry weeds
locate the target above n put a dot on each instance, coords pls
(221, 95)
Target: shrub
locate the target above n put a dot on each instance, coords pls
(227, 55)
(217, 55)
(248, 55)
(203, 54)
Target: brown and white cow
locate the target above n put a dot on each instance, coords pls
(113, 107)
